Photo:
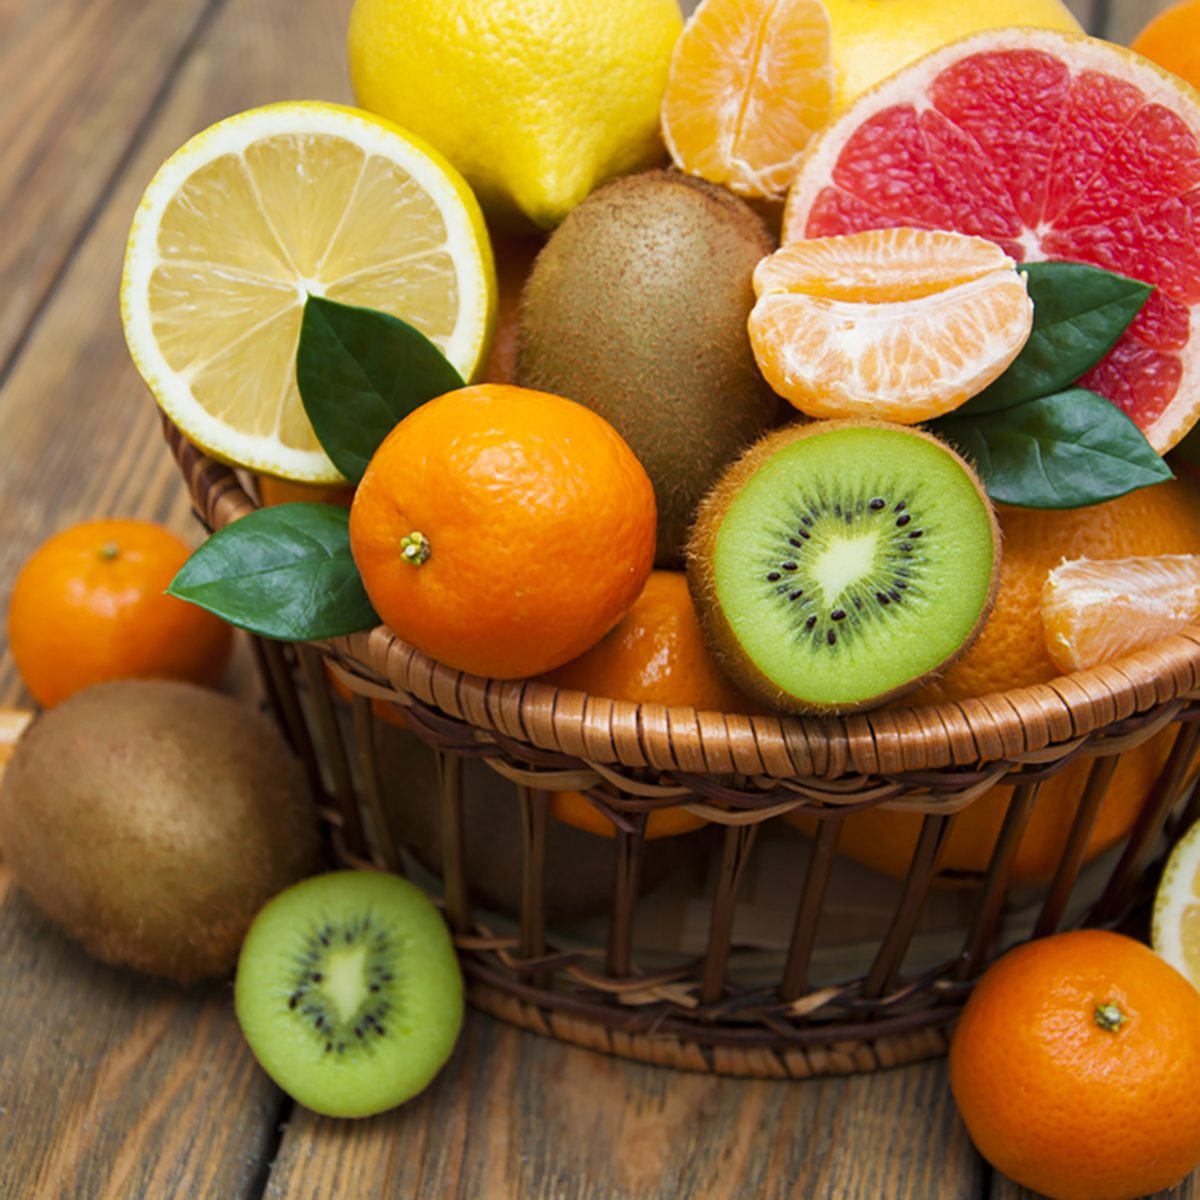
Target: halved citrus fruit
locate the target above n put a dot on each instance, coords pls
(750, 82)
(899, 324)
(252, 215)
(1175, 926)
(1093, 612)
(1055, 146)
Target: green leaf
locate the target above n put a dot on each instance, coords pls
(1079, 312)
(360, 372)
(1062, 451)
(283, 572)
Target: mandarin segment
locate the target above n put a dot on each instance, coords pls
(751, 82)
(1094, 612)
(503, 531)
(898, 324)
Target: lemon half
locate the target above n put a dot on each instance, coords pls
(252, 215)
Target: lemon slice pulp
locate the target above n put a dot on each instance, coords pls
(252, 216)
(1175, 928)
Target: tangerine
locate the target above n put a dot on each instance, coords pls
(89, 606)
(503, 531)
(654, 655)
(1074, 1066)
(1172, 39)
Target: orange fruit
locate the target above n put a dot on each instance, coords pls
(750, 82)
(897, 324)
(1074, 1067)
(654, 655)
(1011, 650)
(1011, 653)
(1055, 146)
(89, 606)
(503, 531)
(885, 840)
(272, 491)
(1093, 612)
(1172, 39)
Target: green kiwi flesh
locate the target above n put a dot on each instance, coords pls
(840, 563)
(637, 308)
(349, 993)
(151, 820)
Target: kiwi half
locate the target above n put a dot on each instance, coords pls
(349, 993)
(838, 564)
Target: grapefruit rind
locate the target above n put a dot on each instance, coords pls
(1085, 58)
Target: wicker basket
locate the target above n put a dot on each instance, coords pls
(725, 1007)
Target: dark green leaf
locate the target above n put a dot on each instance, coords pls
(1079, 313)
(282, 572)
(360, 372)
(1062, 451)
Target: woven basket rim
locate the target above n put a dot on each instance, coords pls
(1005, 726)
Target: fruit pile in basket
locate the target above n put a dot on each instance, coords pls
(805, 358)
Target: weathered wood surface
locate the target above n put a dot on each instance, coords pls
(115, 1086)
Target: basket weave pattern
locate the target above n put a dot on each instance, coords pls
(737, 772)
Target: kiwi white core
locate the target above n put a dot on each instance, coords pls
(854, 562)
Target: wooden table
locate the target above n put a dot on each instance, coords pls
(112, 1085)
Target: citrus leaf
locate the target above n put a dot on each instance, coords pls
(284, 572)
(1079, 313)
(360, 372)
(1062, 451)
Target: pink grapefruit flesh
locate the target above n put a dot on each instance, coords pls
(1055, 146)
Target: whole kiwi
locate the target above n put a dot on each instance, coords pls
(637, 308)
(151, 820)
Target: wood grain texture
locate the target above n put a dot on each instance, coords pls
(116, 1087)
(515, 1116)
(81, 435)
(77, 78)
(1005, 1189)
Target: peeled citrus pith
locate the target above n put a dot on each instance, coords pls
(899, 324)
(1094, 612)
(1055, 146)
(751, 81)
(251, 216)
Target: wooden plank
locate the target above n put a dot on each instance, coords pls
(81, 433)
(77, 78)
(514, 1117)
(116, 1086)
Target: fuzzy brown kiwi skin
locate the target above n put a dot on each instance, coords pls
(637, 308)
(701, 550)
(151, 820)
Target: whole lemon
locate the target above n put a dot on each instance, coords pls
(872, 39)
(536, 102)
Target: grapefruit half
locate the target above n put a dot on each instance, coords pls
(1055, 146)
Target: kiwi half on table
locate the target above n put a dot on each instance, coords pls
(840, 563)
(349, 993)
